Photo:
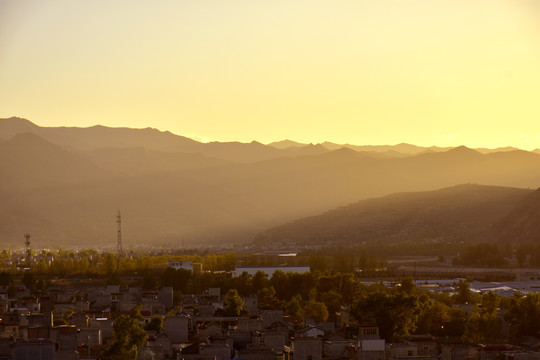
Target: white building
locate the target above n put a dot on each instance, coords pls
(186, 265)
(269, 270)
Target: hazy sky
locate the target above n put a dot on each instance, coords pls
(429, 72)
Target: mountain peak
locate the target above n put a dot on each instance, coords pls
(14, 125)
(283, 144)
(343, 152)
(463, 150)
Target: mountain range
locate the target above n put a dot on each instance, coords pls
(465, 212)
(64, 185)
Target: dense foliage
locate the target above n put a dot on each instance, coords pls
(333, 288)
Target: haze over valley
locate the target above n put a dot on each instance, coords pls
(65, 184)
(270, 179)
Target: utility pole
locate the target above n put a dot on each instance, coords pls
(119, 234)
(27, 248)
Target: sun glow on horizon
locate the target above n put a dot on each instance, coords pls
(359, 72)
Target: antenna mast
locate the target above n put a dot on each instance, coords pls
(119, 236)
(27, 247)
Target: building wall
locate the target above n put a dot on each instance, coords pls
(461, 352)
(221, 352)
(336, 349)
(371, 355)
(402, 350)
(165, 296)
(89, 337)
(186, 265)
(176, 327)
(271, 316)
(306, 348)
(34, 351)
(275, 341)
(251, 304)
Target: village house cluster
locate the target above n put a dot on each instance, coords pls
(197, 330)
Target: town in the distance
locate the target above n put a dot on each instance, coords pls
(140, 244)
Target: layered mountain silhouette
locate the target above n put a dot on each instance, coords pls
(64, 185)
(459, 213)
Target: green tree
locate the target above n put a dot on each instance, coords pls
(524, 314)
(149, 281)
(482, 327)
(128, 335)
(333, 301)
(135, 312)
(344, 284)
(178, 279)
(316, 310)
(280, 283)
(484, 324)
(294, 308)
(396, 314)
(233, 303)
(464, 295)
(408, 286)
(267, 299)
(155, 324)
(242, 284)
(259, 281)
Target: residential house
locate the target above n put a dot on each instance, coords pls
(220, 351)
(176, 328)
(208, 329)
(459, 352)
(493, 351)
(368, 332)
(251, 304)
(257, 352)
(309, 331)
(372, 349)
(304, 348)
(336, 347)
(426, 345)
(34, 350)
(271, 316)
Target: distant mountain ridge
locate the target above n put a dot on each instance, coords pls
(64, 185)
(450, 214)
(98, 136)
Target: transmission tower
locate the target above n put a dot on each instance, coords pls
(119, 235)
(27, 247)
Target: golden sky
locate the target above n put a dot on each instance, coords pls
(428, 72)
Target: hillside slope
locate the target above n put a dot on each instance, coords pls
(520, 225)
(66, 194)
(455, 213)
